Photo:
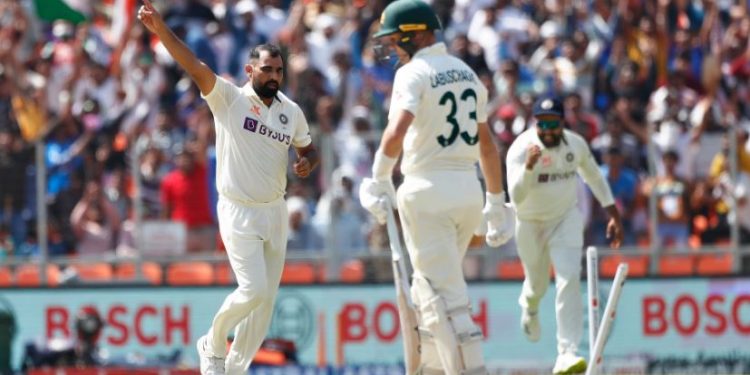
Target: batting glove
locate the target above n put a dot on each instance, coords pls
(500, 220)
(372, 195)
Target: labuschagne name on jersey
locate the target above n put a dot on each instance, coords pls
(452, 76)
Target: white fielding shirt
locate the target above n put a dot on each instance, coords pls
(447, 101)
(548, 191)
(252, 142)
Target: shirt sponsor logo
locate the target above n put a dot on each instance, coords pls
(552, 177)
(251, 124)
(451, 76)
(275, 135)
(255, 110)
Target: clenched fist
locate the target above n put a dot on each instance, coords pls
(302, 167)
(533, 153)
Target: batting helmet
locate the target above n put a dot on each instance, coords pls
(406, 16)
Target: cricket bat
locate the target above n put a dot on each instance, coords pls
(406, 312)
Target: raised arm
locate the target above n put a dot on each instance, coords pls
(201, 74)
(76, 217)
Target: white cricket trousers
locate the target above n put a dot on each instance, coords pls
(560, 241)
(439, 212)
(255, 239)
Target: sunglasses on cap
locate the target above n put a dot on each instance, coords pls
(548, 124)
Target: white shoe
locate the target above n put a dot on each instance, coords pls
(530, 325)
(210, 365)
(569, 363)
(232, 368)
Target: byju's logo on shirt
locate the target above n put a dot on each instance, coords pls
(251, 124)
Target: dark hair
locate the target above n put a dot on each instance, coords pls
(272, 50)
(614, 150)
(671, 154)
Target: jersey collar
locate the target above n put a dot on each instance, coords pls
(438, 48)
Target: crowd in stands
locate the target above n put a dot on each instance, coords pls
(659, 88)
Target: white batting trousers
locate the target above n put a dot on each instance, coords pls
(255, 239)
(559, 241)
(439, 212)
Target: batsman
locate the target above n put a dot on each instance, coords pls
(438, 118)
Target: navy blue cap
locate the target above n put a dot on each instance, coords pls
(548, 105)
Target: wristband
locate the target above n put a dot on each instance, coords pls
(382, 166)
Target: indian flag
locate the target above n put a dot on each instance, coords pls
(123, 13)
(74, 11)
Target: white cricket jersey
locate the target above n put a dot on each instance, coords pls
(447, 101)
(548, 191)
(252, 142)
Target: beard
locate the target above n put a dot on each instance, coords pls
(550, 140)
(266, 90)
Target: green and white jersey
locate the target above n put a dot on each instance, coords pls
(447, 101)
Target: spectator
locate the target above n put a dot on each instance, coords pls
(346, 84)
(469, 52)
(672, 193)
(482, 31)
(64, 159)
(116, 191)
(712, 199)
(302, 235)
(168, 135)
(95, 222)
(624, 184)
(15, 158)
(615, 136)
(340, 214)
(184, 198)
(323, 41)
(578, 120)
(152, 171)
(6, 243)
(355, 146)
(241, 22)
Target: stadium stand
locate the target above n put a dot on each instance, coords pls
(151, 271)
(27, 275)
(298, 273)
(352, 271)
(190, 273)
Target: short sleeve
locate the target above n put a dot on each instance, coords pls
(407, 89)
(221, 96)
(302, 136)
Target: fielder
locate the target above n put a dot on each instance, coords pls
(255, 126)
(438, 119)
(543, 164)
